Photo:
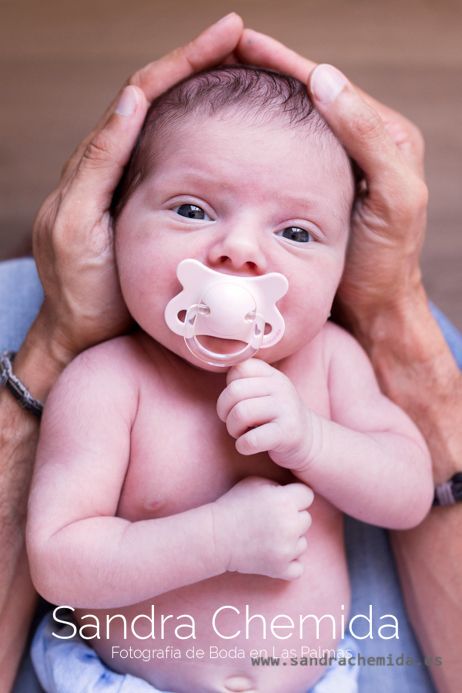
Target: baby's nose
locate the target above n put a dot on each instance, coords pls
(239, 250)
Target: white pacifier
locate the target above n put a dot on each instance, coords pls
(220, 305)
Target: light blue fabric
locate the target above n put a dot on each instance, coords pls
(20, 298)
(70, 666)
(372, 571)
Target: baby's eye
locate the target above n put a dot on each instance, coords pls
(191, 211)
(295, 233)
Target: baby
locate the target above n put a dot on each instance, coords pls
(171, 479)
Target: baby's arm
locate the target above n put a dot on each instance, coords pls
(369, 460)
(82, 554)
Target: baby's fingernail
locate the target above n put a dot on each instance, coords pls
(127, 102)
(326, 83)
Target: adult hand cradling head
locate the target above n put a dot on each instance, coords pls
(388, 221)
(73, 239)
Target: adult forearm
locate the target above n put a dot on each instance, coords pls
(419, 373)
(38, 367)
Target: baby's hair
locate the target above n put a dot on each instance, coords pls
(255, 93)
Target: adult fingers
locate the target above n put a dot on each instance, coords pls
(258, 49)
(211, 47)
(105, 155)
(360, 129)
(261, 50)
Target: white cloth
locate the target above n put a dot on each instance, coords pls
(70, 666)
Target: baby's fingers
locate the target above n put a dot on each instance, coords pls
(293, 571)
(239, 391)
(304, 517)
(260, 439)
(301, 547)
(250, 413)
(303, 497)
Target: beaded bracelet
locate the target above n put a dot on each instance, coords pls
(450, 492)
(16, 387)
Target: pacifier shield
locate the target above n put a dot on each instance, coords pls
(226, 307)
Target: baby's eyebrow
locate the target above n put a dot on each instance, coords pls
(196, 179)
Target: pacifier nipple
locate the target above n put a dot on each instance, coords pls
(225, 307)
(227, 312)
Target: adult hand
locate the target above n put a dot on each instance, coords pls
(73, 234)
(389, 216)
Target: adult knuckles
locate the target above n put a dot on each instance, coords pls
(414, 136)
(403, 199)
(421, 194)
(47, 213)
(366, 124)
(98, 152)
(410, 199)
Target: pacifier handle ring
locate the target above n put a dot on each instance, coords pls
(214, 358)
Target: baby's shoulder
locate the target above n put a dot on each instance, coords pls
(340, 345)
(116, 353)
(113, 365)
(331, 344)
(348, 366)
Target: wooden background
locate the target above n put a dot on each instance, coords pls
(61, 62)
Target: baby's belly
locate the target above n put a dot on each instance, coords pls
(203, 638)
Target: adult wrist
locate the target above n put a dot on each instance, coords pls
(41, 359)
(401, 333)
(416, 370)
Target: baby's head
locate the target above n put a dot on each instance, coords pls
(236, 169)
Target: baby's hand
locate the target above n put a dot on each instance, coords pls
(260, 527)
(264, 412)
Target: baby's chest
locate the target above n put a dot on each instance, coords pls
(182, 456)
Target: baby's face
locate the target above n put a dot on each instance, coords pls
(243, 199)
